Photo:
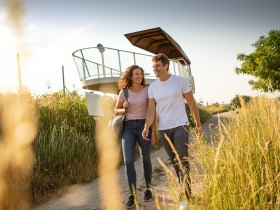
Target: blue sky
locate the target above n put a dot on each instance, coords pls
(211, 33)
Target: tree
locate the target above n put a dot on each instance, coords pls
(235, 102)
(263, 63)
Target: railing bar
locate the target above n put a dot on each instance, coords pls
(85, 62)
(174, 68)
(124, 58)
(134, 58)
(119, 60)
(98, 74)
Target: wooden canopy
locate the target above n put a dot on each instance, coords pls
(156, 41)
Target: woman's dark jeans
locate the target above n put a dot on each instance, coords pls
(132, 133)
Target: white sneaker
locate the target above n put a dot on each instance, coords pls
(182, 205)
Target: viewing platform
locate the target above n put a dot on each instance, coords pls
(100, 67)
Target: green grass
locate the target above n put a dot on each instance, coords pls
(216, 108)
(65, 146)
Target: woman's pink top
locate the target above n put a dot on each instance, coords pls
(137, 104)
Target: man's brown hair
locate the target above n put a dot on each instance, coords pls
(162, 58)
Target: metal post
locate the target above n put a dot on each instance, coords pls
(134, 58)
(103, 67)
(63, 81)
(84, 71)
(120, 66)
(179, 69)
(84, 65)
(101, 50)
(174, 68)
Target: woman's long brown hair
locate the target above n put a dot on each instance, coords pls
(125, 79)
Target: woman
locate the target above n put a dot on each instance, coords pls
(137, 104)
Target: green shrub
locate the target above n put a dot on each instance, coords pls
(64, 146)
(215, 109)
(203, 113)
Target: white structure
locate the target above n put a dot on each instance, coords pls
(100, 67)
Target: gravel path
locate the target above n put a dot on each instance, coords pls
(86, 197)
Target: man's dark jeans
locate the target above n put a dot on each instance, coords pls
(179, 138)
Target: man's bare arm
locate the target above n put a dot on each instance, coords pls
(154, 130)
(194, 110)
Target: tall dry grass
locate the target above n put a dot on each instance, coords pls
(18, 128)
(242, 171)
(108, 148)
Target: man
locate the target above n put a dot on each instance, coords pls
(167, 96)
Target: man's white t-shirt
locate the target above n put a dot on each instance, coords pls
(170, 102)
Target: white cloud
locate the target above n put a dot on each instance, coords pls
(83, 29)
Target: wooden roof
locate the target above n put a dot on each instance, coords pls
(156, 41)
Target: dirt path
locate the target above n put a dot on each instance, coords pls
(86, 197)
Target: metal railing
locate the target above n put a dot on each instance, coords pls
(103, 62)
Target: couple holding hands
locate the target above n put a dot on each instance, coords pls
(163, 100)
